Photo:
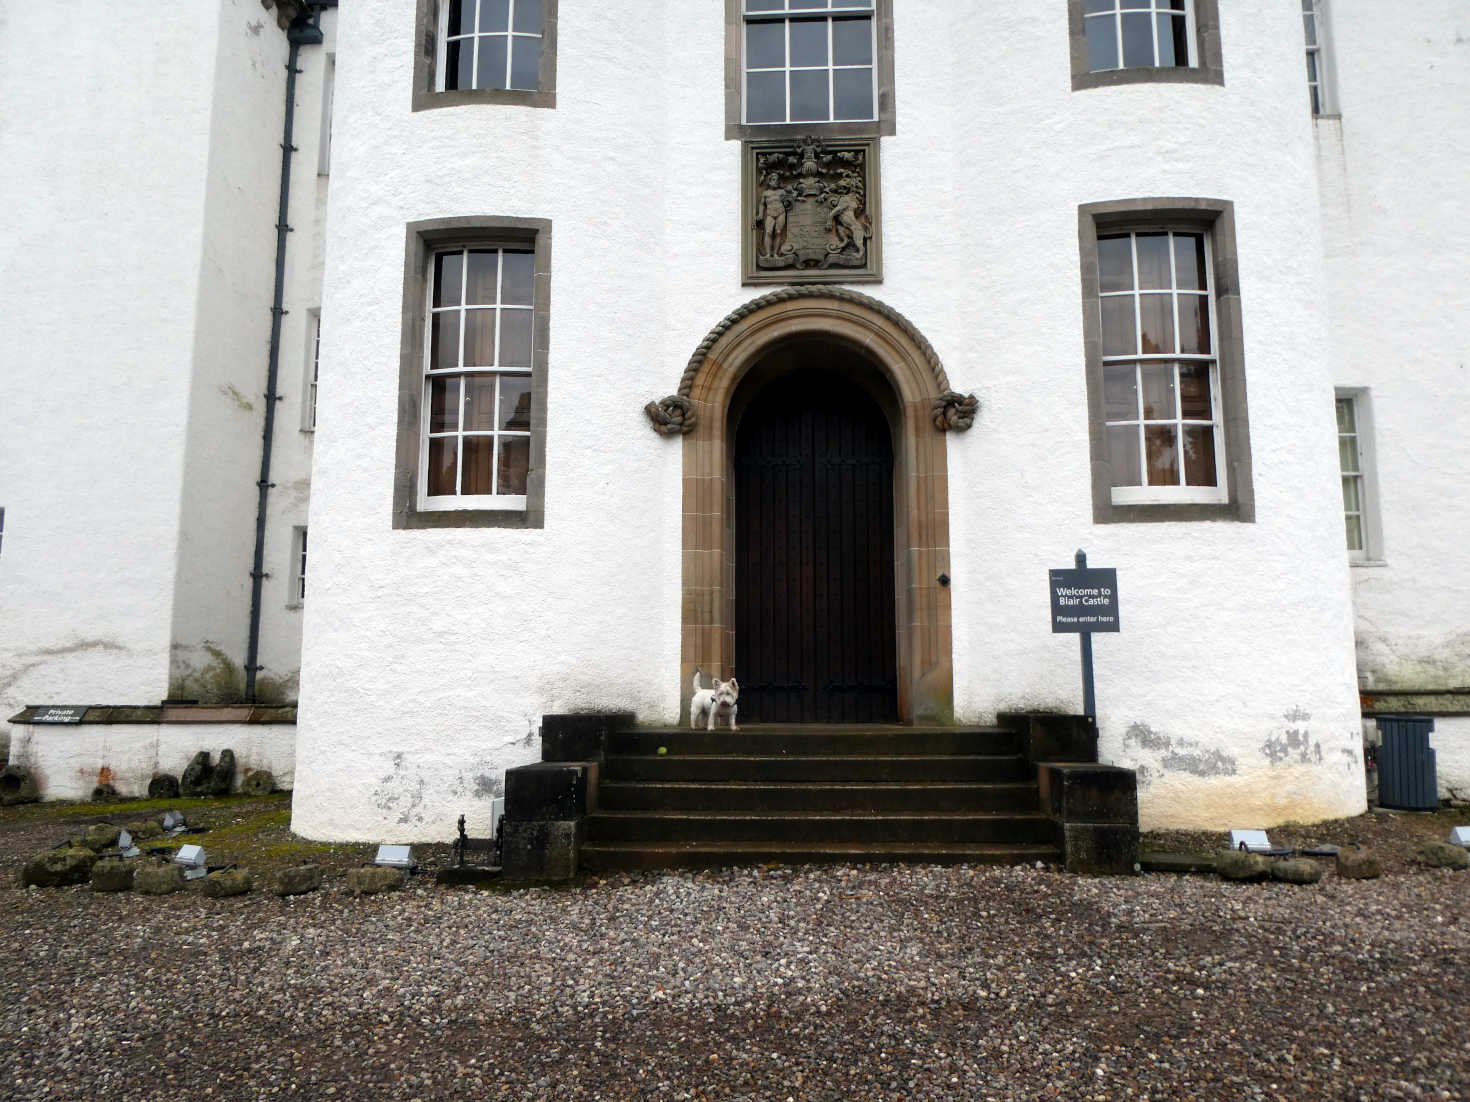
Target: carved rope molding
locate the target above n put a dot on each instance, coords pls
(676, 416)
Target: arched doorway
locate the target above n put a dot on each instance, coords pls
(815, 640)
(904, 376)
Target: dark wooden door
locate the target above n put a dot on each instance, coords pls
(814, 617)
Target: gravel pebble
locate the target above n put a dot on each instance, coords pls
(871, 982)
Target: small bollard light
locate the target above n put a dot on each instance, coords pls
(395, 857)
(193, 861)
(125, 844)
(1460, 836)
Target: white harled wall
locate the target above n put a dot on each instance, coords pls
(431, 654)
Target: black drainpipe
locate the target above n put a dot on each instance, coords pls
(300, 33)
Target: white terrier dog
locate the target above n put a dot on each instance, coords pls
(705, 704)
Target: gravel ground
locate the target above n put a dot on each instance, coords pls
(839, 983)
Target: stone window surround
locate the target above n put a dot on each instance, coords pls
(1210, 67)
(426, 66)
(735, 126)
(1217, 218)
(921, 494)
(422, 240)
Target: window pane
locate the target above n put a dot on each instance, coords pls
(482, 276)
(1153, 262)
(852, 41)
(443, 455)
(1194, 325)
(1162, 445)
(853, 92)
(493, 15)
(515, 338)
(1123, 456)
(765, 45)
(515, 464)
(479, 403)
(447, 268)
(1156, 321)
(765, 97)
(459, 62)
(516, 275)
(461, 17)
(1102, 44)
(492, 62)
(807, 5)
(515, 403)
(1118, 335)
(1158, 392)
(1346, 419)
(1173, 47)
(1354, 527)
(1135, 4)
(1199, 455)
(528, 16)
(444, 339)
(444, 405)
(525, 67)
(479, 471)
(1120, 393)
(1347, 454)
(1194, 392)
(1309, 23)
(809, 97)
(1189, 261)
(1138, 42)
(1115, 263)
(809, 42)
(1351, 500)
(479, 338)
(765, 5)
(1099, 5)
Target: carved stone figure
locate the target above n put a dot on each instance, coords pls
(770, 215)
(809, 208)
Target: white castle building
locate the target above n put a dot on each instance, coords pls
(582, 290)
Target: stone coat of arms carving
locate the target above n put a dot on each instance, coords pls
(811, 211)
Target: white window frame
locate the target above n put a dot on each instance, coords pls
(1155, 9)
(1317, 47)
(313, 369)
(1152, 494)
(329, 86)
(840, 10)
(426, 501)
(297, 593)
(2, 526)
(510, 34)
(1370, 531)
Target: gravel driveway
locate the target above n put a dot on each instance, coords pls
(841, 983)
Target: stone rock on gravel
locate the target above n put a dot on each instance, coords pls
(1359, 864)
(258, 782)
(112, 875)
(144, 829)
(1237, 864)
(1443, 855)
(165, 786)
(58, 868)
(218, 885)
(100, 836)
(17, 786)
(372, 879)
(104, 793)
(197, 776)
(158, 878)
(223, 777)
(298, 880)
(1296, 870)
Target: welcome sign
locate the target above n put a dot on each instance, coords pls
(1084, 600)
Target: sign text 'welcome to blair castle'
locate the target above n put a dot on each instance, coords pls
(1084, 600)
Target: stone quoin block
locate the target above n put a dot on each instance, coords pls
(544, 850)
(1088, 793)
(1100, 849)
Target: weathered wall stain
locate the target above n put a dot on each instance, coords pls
(1294, 742)
(488, 787)
(397, 793)
(36, 658)
(1173, 754)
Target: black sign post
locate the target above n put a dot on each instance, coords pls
(1084, 601)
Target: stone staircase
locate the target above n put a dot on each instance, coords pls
(610, 795)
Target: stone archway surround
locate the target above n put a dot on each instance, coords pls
(924, 407)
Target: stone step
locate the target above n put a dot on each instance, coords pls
(810, 740)
(814, 797)
(956, 768)
(606, 856)
(855, 828)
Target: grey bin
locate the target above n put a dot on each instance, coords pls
(1406, 774)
